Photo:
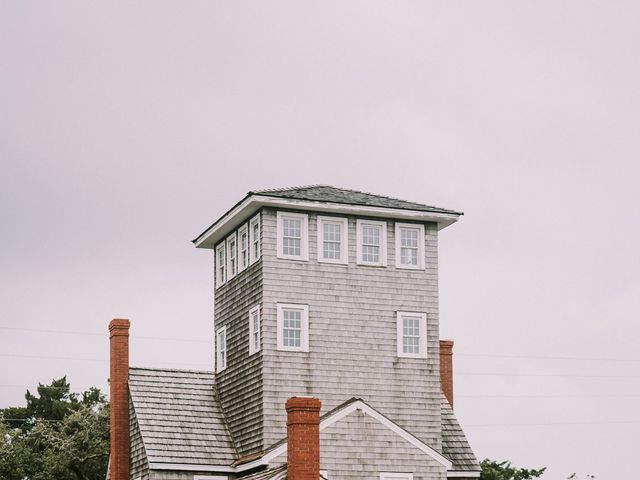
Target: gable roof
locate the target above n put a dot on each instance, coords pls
(179, 417)
(323, 198)
(337, 414)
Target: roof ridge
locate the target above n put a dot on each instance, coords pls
(283, 189)
(176, 370)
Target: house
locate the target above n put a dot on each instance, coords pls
(328, 360)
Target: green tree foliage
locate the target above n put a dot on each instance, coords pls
(492, 470)
(59, 434)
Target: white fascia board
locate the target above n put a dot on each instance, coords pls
(451, 474)
(187, 467)
(339, 415)
(251, 204)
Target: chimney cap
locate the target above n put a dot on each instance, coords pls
(119, 326)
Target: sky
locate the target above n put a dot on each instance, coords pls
(127, 127)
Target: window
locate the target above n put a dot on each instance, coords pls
(254, 330)
(243, 248)
(221, 349)
(332, 240)
(293, 327)
(412, 334)
(372, 242)
(232, 256)
(409, 246)
(254, 239)
(221, 264)
(292, 236)
(396, 476)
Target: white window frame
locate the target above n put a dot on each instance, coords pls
(396, 476)
(304, 326)
(344, 239)
(360, 223)
(254, 252)
(220, 365)
(231, 239)
(252, 332)
(420, 228)
(243, 230)
(304, 235)
(221, 267)
(422, 353)
(210, 477)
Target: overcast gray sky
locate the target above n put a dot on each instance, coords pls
(127, 127)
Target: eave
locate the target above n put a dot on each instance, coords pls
(248, 206)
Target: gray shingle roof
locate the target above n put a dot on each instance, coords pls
(327, 193)
(179, 417)
(454, 442)
(268, 474)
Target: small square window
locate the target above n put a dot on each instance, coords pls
(293, 327)
(243, 248)
(409, 246)
(254, 238)
(221, 264)
(412, 334)
(292, 231)
(333, 245)
(372, 242)
(221, 349)
(254, 330)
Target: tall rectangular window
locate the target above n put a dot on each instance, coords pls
(412, 334)
(254, 330)
(292, 232)
(372, 242)
(221, 264)
(293, 327)
(333, 240)
(409, 246)
(221, 349)
(243, 248)
(254, 239)
(232, 256)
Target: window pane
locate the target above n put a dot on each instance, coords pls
(291, 246)
(371, 253)
(370, 235)
(292, 236)
(292, 227)
(409, 237)
(409, 256)
(331, 250)
(411, 334)
(292, 328)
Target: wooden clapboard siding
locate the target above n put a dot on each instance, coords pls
(240, 384)
(352, 334)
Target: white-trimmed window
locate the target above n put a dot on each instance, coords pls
(221, 264)
(412, 334)
(333, 240)
(293, 327)
(292, 231)
(243, 248)
(232, 256)
(395, 476)
(409, 246)
(254, 330)
(221, 349)
(210, 477)
(372, 242)
(254, 239)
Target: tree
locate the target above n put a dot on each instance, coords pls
(492, 470)
(59, 434)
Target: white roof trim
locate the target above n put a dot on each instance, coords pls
(238, 215)
(463, 474)
(339, 415)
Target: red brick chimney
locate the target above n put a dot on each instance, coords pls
(446, 369)
(303, 438)
(119, 393)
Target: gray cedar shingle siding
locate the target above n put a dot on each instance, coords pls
(138, 463)
(352, 334)
(454, 442)
(179, 417)
(240, 384)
